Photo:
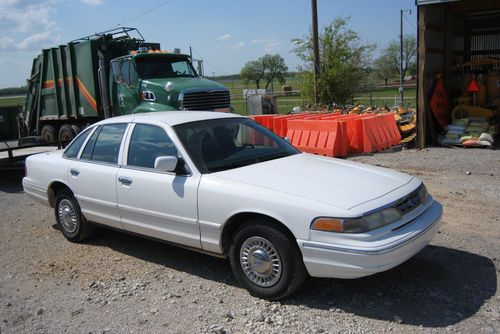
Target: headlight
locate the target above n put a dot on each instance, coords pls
(169, 86)
(356, 225)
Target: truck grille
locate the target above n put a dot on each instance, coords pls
(205, 100)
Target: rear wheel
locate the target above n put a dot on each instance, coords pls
(266, 261)
(48, 133)
(70, 220)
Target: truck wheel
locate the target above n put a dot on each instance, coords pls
(48, 133)
(266, 261)
(66, 134)
(70, 220)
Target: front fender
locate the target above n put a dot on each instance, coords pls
(152, 107)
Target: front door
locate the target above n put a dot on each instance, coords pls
(154, 203)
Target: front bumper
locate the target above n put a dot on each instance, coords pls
(329, 260)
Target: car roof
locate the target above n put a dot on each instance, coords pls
(170, 118)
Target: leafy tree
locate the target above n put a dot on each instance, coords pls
(268, 68)
(253, 71)
(389, 62)
(342, 60)
(274, 68)
(383, 68)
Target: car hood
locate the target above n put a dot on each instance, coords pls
(336, 182)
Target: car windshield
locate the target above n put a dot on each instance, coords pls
(164, 67)
(222, 144)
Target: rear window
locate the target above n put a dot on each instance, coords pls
(104, 145)
(75, 146)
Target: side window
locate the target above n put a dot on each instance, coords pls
(116, 70)
(147, 143)
(104, 145)
(126, 71)
(74, 147)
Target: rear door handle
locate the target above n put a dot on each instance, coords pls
(125, 180)
(74, 172)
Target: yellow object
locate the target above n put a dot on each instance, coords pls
(406, 128)
(462, 111)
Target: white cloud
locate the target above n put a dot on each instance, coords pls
(93, 2)
(224, 37)
(37, 41)
(268, 45)
(26, 24)
(238, 46)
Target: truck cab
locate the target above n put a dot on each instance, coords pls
(153, 80)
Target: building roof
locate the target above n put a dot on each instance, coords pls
(432, 2)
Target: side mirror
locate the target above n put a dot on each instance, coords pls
(166, 163)
(287, 140)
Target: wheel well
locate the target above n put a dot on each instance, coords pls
(54, 189)
(236, 221)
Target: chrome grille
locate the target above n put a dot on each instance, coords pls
(412, 201)
(205, 100)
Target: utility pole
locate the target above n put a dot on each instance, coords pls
(314, 9)
(401, 77)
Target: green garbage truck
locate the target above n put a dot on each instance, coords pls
(112, 73)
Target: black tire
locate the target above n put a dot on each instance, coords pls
(279, 251)
(66, 134)
(70, 220)
(48, 133)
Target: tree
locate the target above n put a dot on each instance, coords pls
(274, 67)
(342, 60)
(268, 67)
(383, 68)
(389, 61)
(253, 71)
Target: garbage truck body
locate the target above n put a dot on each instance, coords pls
(109, 74)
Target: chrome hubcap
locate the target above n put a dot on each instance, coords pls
(260, 261)
(67, 216)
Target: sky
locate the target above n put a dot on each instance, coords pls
(224, 33)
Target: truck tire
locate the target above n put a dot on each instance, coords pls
(48, 133)
(66, 134)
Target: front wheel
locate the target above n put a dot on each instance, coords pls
(266, 261)
(70, 220)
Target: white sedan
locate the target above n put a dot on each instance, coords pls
(224, 185)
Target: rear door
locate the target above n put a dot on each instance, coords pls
(93, 177)
(155, 203)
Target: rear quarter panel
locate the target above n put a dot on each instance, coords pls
(41, 171)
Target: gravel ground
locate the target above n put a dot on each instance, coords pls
(117, 283)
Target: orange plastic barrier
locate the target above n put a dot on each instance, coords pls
(335, 134)
(321, 137)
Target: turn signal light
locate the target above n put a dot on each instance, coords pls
(328, 225)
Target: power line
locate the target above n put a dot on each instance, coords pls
(145, 12)
(210, 64)
(409, 22)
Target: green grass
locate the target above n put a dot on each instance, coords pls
(12, 101)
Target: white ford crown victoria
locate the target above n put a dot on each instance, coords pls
(224, 185)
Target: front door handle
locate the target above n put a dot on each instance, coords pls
(74, 172)
(125, 180)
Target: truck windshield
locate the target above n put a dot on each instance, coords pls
(164, 67)
(222, 144)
